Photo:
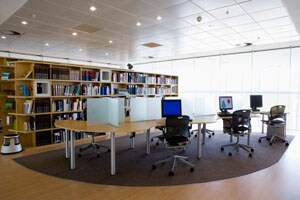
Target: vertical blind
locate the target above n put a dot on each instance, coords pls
(273, 73)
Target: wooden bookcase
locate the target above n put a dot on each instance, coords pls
(43, 92)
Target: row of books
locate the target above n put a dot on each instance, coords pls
(37, 123)
(36, 106)
(90, 76)
(64, 105)
(60, 135)
(43, 138)
(41, 71)
(165, 80)
(65, 73)
(65, 90)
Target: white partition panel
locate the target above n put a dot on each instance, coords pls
(138, 111)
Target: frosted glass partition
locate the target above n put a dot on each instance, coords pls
(142, 108)
(105, 110)
(187, 105)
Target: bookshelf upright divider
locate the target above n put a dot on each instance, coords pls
(44, 92)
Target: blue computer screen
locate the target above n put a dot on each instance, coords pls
(225, 103)
(170, 107)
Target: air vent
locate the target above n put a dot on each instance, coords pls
(9, 32)
(86, 28)
(152, 45)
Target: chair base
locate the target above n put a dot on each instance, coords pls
(175, 158)
(209, 132)
(94, 147)
(237, 146)
(160, 138)
(274, 138)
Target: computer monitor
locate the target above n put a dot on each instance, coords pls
(256, 102)
(170, 107)
(225, 103)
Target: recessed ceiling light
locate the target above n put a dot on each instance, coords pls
(46, 44)
(74, 33)
(110, 41)
(138, 23)
(159, 18)
(24, 22)
(93, 8)
(3, 37)
(79, 49)
(106, 54)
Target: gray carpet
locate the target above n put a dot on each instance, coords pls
(134, 167)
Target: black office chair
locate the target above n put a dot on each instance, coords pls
(177, 137)
(276, 120)
(239, 124)
(95, 147)
(160, 138)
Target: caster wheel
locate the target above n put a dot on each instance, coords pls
(230, 154)
(270, 143)
(250, 155)
(268, 139)
(80, 149)
(151, 140)
(213, 133)
(98, 147)
(259, 140)
(98, 155)
(171, 173)
(222, 149)
(252, 150)
(192, 169)
(286, 144)
(196, 135)
(79, 155)
(108, 150)
(154, 167)
(157, 143)
(209, 136)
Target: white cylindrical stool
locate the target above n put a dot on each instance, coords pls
(11, 144)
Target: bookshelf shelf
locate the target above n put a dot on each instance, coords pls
(56, 91)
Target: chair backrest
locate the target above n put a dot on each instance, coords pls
(277, 112)
(177, 126)
(241, 120)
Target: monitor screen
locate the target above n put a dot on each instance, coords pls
(256, 102)
(170, 107)
(225, 103)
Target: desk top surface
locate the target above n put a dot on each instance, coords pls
(76, 125)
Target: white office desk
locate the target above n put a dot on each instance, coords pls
(75, 125)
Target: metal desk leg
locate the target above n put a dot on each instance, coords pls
(262, 122)
(72, 149)
(148, 142)
(203, 133)
(112, 154)
(132, 137)
(199, 142)
(67, 144)
(248, 139)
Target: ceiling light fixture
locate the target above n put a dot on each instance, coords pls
(24, 22)
(46, 44)
(245, 44)
(199, 18)
(159, 18)
(74, 34)
(138, 24)
(3, 37)
(93, 8)
(110, 41)
(106, 54)
(79, 49)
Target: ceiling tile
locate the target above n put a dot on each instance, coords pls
(45, 7)
(189, 30)
(236, 21)
(201, 36)
(246, 27)
(279, 29)
(175, 24)
(211, 26)
(228, 12)
(275, 22)
(164, 3)
(137, 8)
(223, 31)
(259, 5)
(183, 10)
(269, 14)
(211, 5)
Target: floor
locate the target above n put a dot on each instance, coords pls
(277, 182)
